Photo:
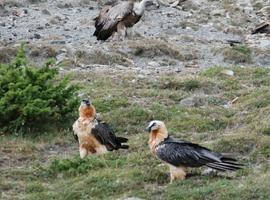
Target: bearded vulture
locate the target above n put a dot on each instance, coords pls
(95, 136)
(179, 154)
(119, 17)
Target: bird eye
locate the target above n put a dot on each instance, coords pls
(154, 124)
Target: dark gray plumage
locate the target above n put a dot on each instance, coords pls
(109, 17)
(118, 17)
(105, 135)
(182, 153)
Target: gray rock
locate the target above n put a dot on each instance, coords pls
(58, 42)
(3, 11)
(56, 20)
(209, 172)
(194, 101)
(37, 36)
(218, 12)
(46, 12)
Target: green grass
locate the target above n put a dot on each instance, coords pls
(238, 54)
(49, 167)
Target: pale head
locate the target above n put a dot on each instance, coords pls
(158, 126)
(139, 7)
(157, 129)
(85, 103)
(151, 2)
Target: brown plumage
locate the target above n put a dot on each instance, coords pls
(94, 136)
(117, 18)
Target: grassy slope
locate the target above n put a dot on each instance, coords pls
(48, 167)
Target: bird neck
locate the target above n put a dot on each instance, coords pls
(159, 135)
(156, 137)
(87, 112)
(139, 7)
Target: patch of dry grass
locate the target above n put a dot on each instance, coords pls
(153, 48)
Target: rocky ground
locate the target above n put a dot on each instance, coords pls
(179, 36)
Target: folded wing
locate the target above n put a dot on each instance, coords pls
(109, 17)
(181, 153)
(105, 135)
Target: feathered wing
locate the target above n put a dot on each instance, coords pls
(181, 153)
(102, 15)
(105, 135)
(106, 22)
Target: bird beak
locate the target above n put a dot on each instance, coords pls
(86, 102)
(156, 3)
(152, 3)
(148, 129)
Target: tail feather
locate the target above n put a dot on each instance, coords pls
(223, 166)
(225, 159)
(122, 139)
(216, 167)
(124, 147)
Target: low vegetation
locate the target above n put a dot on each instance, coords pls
(48, 166)
(32, 97)
(237, 54)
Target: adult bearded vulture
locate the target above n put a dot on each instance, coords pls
(179, 155)
(95, 136)
(119, 17)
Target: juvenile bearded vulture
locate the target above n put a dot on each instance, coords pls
(179, 155)
(119, 17)
(94, 136)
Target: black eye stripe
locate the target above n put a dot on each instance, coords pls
(152, 125)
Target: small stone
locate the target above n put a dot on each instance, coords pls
(61, 51)
(25, 11)
(175, 4)
(37, 36)
(64, 5)
(46, 12)
(55, 20)
(58, 42)
(153, 64)
(40, 28)
(194, 101)
(218, 12)
(209, 172)
(2, 24)
(178, 70)
(227, 72)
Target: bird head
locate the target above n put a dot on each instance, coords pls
(149, 3)
(86, 109)
(85, 103)
(157, 126)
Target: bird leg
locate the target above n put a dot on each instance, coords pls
(114, 36)
(177, 173)
(83, 152)
(121, 30)
(130, 33)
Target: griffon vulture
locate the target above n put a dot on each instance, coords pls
(95, 136)
(179, 154)
(119, 17)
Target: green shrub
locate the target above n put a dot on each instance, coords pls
(33, 96)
